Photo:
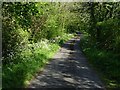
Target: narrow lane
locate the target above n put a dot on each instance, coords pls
(68, 69)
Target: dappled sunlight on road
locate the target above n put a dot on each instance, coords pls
(68, 68)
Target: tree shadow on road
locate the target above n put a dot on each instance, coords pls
(70, 72)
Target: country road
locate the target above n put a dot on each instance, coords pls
(68, 69)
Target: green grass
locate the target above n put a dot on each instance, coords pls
(106, 63)
(29, 62)
(16, 75)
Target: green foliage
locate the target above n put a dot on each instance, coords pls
(101, 37)
(32, 32)
(106, 63)
(25, 23)
(28, 63)
(61, 39)
(109, 38)
(52, 27)
(29, 30)
(15, 16)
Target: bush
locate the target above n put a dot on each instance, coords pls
(28, 63)
(107, 63)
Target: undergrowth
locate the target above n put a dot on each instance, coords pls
(30, 61)
(105, 62)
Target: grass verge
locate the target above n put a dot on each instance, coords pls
(106, 63)
(29, 61)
